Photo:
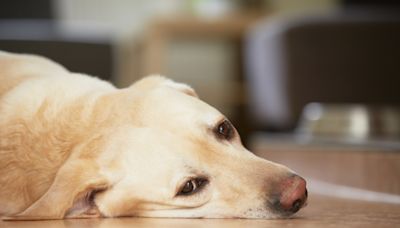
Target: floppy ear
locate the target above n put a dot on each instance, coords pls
(153, 81)
(70, 195)
(181, 87)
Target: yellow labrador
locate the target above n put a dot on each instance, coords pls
(73, 146)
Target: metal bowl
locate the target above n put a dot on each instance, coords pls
(351, 121)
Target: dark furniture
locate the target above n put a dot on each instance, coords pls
(347, 56)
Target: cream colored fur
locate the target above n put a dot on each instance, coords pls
(68, 138)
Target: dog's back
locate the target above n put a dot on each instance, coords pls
(39, 101)
(15, 69)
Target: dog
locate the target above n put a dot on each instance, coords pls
(74, 146)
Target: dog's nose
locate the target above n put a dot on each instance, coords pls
(293, 194)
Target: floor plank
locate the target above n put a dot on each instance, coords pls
(357, 167)
(321, 212)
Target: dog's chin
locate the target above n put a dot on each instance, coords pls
(263, 214)
(271, 213)
(248, 214)
(262, 211)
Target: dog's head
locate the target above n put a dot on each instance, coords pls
(182, 158)
(168, 154)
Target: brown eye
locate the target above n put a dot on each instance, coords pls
(192, 186)
(224, 130)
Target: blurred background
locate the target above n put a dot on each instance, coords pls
(313, 84)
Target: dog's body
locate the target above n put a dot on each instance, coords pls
(75, 146)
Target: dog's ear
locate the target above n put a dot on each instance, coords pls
(71, 194)
(184, 88)
(153, 81)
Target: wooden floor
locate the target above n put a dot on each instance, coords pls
(320, 212)
(369, 168)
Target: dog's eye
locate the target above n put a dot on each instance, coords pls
(192, 186)
(224, 130)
